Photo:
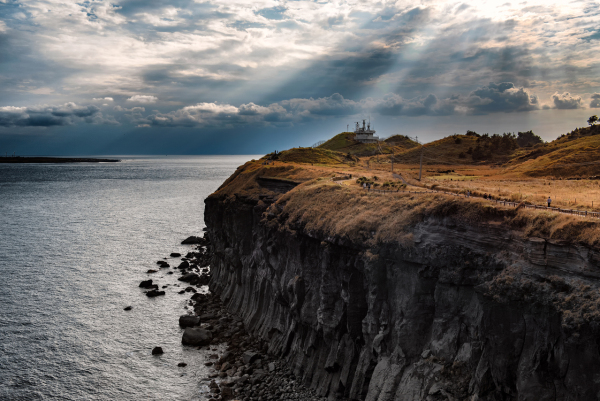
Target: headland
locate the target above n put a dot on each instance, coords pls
(39, 159)
(410, 290)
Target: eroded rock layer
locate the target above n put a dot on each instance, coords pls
(461, 312)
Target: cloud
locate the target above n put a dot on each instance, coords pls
(566, 101)
(145, 99)
(502, 97)
(395, 105)
(103, 99)
(219, 115)
(595, 103)
(492, 98)
(48, 116)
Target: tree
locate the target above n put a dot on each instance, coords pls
(527, 139)
(593, 120)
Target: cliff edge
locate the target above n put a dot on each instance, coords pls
(408, 296)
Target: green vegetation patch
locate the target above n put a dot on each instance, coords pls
(317, 156)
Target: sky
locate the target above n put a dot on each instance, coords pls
(249, 77)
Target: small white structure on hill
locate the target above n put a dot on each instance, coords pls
(365, 134)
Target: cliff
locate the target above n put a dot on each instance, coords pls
(406, 297)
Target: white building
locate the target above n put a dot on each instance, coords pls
(365, 134)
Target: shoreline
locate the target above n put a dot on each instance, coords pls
(245, 370)
(39, 160)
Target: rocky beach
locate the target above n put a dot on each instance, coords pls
(241, 367)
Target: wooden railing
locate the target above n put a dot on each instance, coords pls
(575, 212)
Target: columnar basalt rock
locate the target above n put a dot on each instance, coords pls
(474, 312)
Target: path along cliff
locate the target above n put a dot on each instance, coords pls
(412, 297)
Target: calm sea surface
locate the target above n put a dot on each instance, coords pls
(75, 241)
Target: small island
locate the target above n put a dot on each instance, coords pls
(38, 159)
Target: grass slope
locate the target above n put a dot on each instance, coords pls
(442, 151)
(315, 156)
(561, 158)
(345, 143)
(401, 142)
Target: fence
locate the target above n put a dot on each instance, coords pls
(582, 213)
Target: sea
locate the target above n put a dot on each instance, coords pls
(75, 242)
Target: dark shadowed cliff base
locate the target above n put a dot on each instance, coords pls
(413, 298)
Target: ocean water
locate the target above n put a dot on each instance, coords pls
(75, 241)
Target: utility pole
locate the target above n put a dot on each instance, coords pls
(347, 127)
(421, 162)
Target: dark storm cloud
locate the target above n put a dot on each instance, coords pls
(502, 97)
(566, 101)
(595, 103)
(394, 105)
(48, 116)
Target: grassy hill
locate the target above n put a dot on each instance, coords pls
(401, 142)
(313, 156)
(345, 143)
(443, 151)
(566, 157)
(575, 154)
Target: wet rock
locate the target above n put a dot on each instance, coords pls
(191, 240)
(183, 265)
(128, 308)
(157, 351)
(175, 255)
(196, 336)
(182, 364)
(151, 271)
(146, 284)
(188, 321)
(154, 293)
(248, 357)
(189, 278)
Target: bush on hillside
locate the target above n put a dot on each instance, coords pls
(527, 139)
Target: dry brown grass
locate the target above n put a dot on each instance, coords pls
(581, 194)
(351, 212)
(334, 210)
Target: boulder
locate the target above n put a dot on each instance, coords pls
(191, 240)
(248, 357)
(189, 277)
(146, 284)
(226, 357)
(157, 351)
(184, 265)
(151, 271)
(175, 255)
(196, 336)
(128, 308)
(154, 293)
(182, 364)
(188, 321)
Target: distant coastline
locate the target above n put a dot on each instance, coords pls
(23, 159)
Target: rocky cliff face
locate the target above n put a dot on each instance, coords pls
(463, 312)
